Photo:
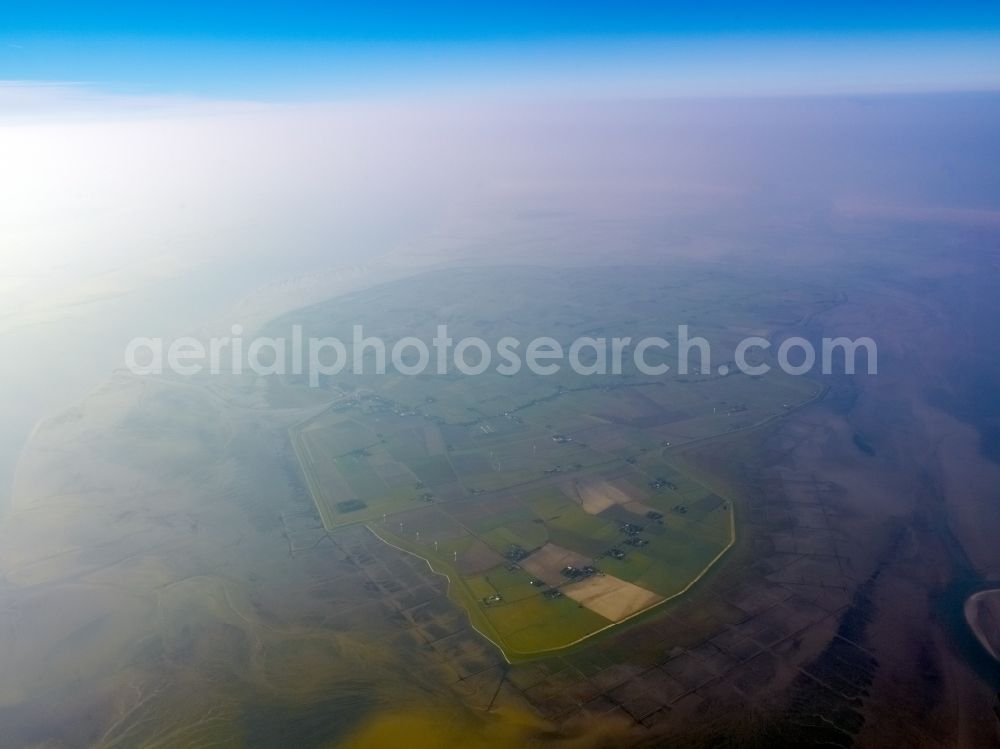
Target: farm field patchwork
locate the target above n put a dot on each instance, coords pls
(552, 525)
(552, 504)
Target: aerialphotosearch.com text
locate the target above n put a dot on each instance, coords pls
(319, 357)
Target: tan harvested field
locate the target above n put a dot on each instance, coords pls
(597, 496)
(611, 597)
(548, 561)
(638, 508)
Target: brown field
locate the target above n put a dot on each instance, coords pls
(477, 558)
(431, 522)
(547, 562)
(611, 597)
(433, 441)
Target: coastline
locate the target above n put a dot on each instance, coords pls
(978, 607)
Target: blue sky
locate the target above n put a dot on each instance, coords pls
(314, 50)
